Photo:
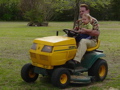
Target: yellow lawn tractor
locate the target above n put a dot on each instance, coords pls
(52, 56)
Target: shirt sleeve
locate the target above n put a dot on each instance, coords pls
(95, 24)
(78, 24)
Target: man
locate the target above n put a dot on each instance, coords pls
(84, 44)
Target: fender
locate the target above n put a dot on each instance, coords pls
(90, 58)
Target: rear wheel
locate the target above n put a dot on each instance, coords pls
(27, 73)
(99, 70)
(60, 77)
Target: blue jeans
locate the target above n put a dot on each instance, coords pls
(82, 36)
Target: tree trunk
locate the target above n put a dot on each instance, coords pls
(76, 14)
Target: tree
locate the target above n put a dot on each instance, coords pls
(9, 10)
(76, 14)
(40, 11)
(116, 9)
(37, 11)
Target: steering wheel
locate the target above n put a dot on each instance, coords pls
(70, 33)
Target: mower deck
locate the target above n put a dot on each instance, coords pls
(81, 79)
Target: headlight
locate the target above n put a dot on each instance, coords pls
(34, 46)
(47, 49)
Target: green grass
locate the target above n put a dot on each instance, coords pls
(16, 40)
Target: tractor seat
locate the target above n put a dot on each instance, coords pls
(94, 48)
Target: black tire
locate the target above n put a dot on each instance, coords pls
(99, 70)
(60, 77)
(27, 73)
(49, 72)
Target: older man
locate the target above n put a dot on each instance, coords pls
(84, 44)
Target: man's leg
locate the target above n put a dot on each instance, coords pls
(83, 45)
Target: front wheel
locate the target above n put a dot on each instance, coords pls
(99, 70)
(60, 77)
(27, 73)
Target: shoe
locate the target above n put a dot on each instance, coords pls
(70, 64)
(76, 62)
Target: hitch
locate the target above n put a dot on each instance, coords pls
(57, 33)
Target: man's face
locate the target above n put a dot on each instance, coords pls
(83, 11)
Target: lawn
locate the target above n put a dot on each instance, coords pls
(16, 40)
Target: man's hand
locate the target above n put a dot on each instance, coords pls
(79, 31)
(86, 31)
(83, 30)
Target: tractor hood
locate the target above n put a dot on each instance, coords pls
(55, 40)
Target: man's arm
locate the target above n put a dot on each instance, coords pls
(89, 32)
(95, 33)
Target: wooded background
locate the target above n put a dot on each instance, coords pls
(56, 10)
